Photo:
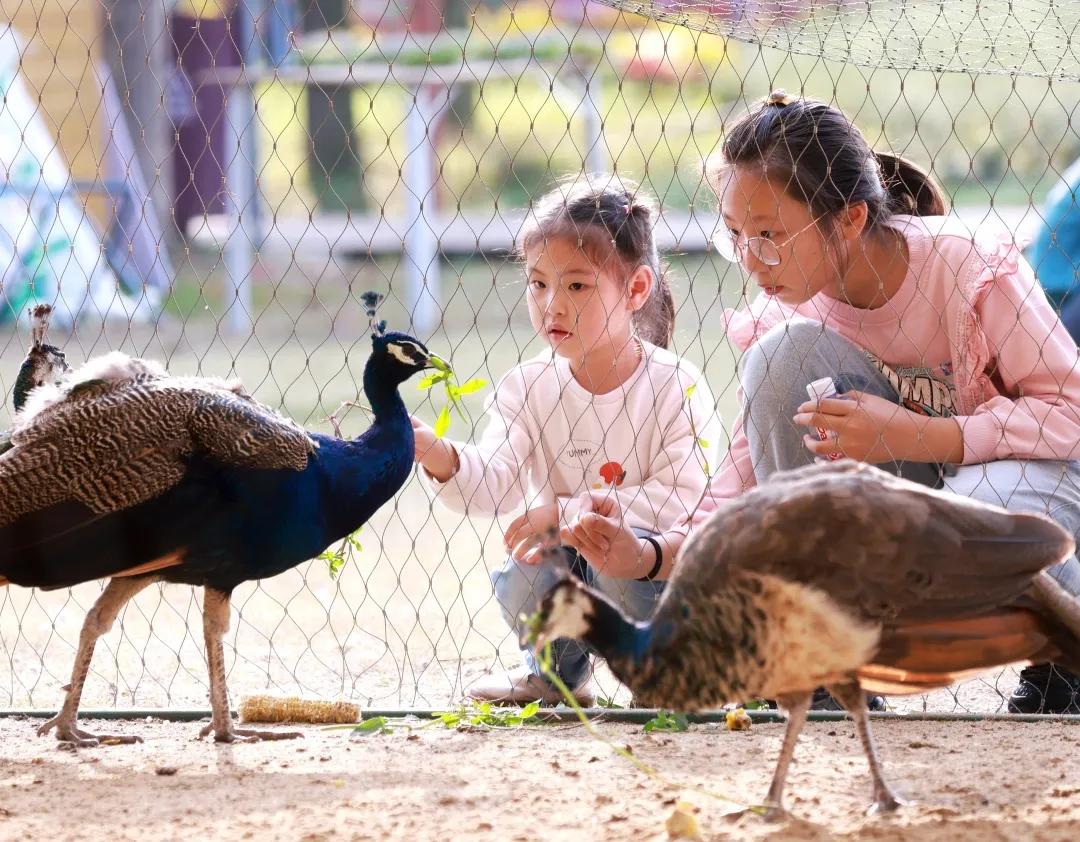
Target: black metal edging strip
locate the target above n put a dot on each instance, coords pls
(637, 716)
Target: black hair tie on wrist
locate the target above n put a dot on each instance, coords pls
(648, 577)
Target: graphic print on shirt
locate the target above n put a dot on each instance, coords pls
(922, 389)
(612, 473)
(599, 471)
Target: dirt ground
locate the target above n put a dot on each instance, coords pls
(973, 781)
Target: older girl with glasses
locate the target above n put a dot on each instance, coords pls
(952, 368)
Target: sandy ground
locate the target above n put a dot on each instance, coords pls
(974, 781)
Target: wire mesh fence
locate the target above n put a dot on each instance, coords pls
(214, 186)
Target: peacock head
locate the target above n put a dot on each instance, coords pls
(399, 356)
(44, 364)
(568, 610)
(573, 610)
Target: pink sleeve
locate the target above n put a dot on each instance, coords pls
(736, 476)
(1036, 361)
(736, 473)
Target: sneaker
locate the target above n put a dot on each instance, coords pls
(520, 686)
(1046, 688)
(822, 700)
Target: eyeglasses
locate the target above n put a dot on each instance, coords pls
(764, 249)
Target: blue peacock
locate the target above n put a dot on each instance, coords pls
(124, 472)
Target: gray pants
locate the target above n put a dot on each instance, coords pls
(775, 373)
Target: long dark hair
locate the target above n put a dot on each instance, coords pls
(609, 217)
(822, 159)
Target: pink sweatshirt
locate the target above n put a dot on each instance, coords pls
(970, 318)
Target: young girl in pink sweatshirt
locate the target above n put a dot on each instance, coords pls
(953, 369)
(606, 408)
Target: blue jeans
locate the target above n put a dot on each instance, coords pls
(520, 587)
(775, 372)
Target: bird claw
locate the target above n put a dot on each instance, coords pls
(247, 735)
(68, 733)
(771, 813)
(886, 802)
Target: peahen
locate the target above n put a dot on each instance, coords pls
(133, 475)
(44, 364)
(838, 575)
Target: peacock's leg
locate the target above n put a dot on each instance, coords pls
(854, 699)
(98, 622)
(215, 624)
(797, 707)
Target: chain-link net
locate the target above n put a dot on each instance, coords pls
(214, 186)
(1032, 39)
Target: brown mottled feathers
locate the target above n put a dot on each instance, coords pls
(884, 548)
(113, 443)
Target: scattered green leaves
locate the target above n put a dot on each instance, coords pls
(375, 725)
(335, 559)
(604, 702)
(667, 721)
(756, 704)
(532, 624)
(454, 392)
(485, 715)
(701, 443)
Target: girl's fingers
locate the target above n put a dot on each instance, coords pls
(830, 406)
(510, 536)
(567, 537)
(818, 419)
(533, 556)
(597, 526)
(822, 448)
(589, 543)
(815, 419)
(527, 551)
(603, 503)
(520, 530)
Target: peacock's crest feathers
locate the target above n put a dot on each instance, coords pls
(39, 316)
(118, 433)
(372, 300)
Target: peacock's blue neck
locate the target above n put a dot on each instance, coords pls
(384, 398)
(363, 474)
(619, 638)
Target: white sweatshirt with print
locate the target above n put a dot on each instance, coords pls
(549, 440)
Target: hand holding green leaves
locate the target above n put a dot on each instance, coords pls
(438, 456)
(445, 375)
